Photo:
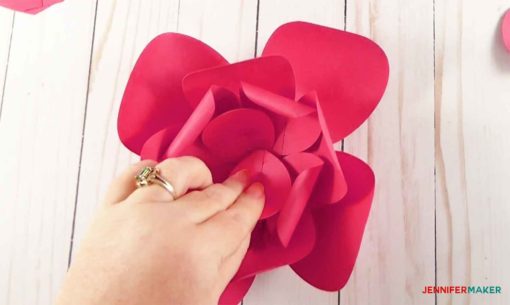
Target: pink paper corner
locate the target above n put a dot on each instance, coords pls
(505, 30)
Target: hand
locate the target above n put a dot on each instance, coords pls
(146, 248)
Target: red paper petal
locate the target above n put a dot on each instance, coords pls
(296, 124)
(348, 71)
(296, 135)
(331, 180)
(235, 291)
(195, 124)
(224, 100)
(270, 171)
(271, 73)
(156, 145)
(333, 186)
(266, 252)
(28, 6)
(340, 229)
(153, 98)
(308, 167)
(236, 133)
(275, 103)
(505, 30)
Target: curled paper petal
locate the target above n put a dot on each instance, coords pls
(195, 124)
(296, 124)
(331, 178)
(275, 103)
(153, 98)
(340, 228)
(270, 171)
(254, 71)
(348, 71)
(307, 166)
(505, 30)
(28, 6)
(235, 291)
(156, 145)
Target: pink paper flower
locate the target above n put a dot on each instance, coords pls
(28, 6)
(277, 116)
(505, 30)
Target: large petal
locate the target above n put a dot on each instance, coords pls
(272, 73)
(154, 98)
(348, 71)
(340, 229)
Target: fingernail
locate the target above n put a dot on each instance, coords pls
(240, 176)
(256, 190)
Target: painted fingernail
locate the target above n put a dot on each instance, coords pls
(256, 190)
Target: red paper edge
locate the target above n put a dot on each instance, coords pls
(336, 137)
(350, 209)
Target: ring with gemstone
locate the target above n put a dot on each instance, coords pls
(150, 175)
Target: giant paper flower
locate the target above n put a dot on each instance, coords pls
(277, 116)
(28, 6)
(505, 30)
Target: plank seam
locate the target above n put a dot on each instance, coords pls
(7, 66)
(77, 189)
(435, 165)
(257, 30)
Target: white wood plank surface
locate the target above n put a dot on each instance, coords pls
(123, 29)
(437, 142)
(40, 132)
(6, 24)
(472, 149)
(283, 286)
(397, 254)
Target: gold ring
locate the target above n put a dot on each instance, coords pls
(150, 175)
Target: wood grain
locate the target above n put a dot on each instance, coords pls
(397, 254)
(40, 132)
(472, 95)
(123, 29)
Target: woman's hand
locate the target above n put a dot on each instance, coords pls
(145, 248)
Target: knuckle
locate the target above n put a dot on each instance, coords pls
(239, 221)
(199, 165)
(193, 160)
(169, 164)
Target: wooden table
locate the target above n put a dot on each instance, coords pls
(438, 141)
